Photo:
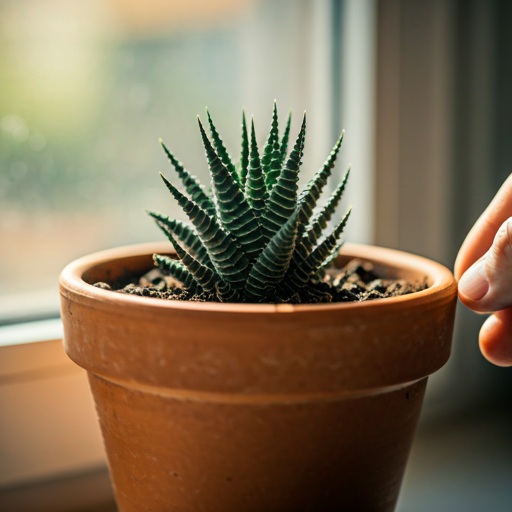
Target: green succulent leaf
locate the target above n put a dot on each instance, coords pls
(274, 170)
(221, 149)
(177, 270)
(311, 193)
(270, 268)
(318, 223)
(320, 220)
(320, 273)
(226, 293)
(185, 234)
(234, 211)
(272, 139)
(244, 154)
(255, 188)
(192, 185)
(286, 137)
(203, 275)
(227, 257)
(282, 200)
(299, 277)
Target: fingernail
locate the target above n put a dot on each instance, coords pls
(473, 284)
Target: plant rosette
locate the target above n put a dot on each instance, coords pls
(254, 238)
(252, 407)
(255, 403)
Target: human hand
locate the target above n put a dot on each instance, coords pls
(484, 271)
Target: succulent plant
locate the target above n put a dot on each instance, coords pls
(254, 238)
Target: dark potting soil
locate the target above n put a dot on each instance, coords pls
(357, 281)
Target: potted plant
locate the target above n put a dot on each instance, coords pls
(240, 396)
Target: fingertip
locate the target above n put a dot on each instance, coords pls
(495, 338)
(457, 270)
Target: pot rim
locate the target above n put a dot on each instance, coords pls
(72, 283)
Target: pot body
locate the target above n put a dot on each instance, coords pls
(208, 407)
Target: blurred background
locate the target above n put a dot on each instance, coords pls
(86, 90)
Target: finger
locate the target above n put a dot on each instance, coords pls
(487, 285)
(496, 338)
(481, 236)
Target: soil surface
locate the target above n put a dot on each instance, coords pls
(356, 281)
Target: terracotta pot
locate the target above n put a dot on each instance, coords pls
(241, 407)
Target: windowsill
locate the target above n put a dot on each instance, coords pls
(49, 425)
(31, 332)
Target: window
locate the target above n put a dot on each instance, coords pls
(89, 87)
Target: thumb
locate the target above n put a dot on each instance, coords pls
(487, 285)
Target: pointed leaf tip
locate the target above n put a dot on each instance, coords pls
(220, 148)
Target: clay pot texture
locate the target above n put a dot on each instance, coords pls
(210, 407)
